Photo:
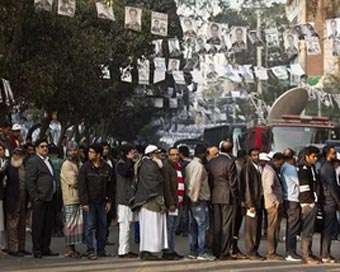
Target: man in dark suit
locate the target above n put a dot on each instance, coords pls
(253, 201)
(224, 198)
(331, 202)
(41, 187)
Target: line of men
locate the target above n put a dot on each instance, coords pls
(219, 193)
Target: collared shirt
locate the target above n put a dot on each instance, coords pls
(50, 168)
(290, 182)
(257, 167)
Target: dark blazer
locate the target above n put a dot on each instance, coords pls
(170, 184)
(223, 174)
(330, 189)
(252, 185)
(39, 181)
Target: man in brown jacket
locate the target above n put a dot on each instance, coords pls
(224, 199)
(273, 199)
(173, 185)
(253, 197)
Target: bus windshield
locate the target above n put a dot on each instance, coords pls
(297, 137)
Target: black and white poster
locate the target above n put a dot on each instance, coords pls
(105, 11)
(126, 74)
(133, 18)
(313, 46)
(67, 7)
(291, 43)
(43, 4)
(174, 47)
(238, 38)
(158, 47)
(272, 37)
(143, 71)
(174, 65)
(189, 27)
(214, 33)
(254, 38)
(159, 24)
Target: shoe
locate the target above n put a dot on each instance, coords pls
(239, 256)
(192, 256)
(26, 253)
(16, 254)
(148, 256)
(206, 257)
(169, 257)
(91, 256)
(310, 260)
(38, 255)
(177, 255)
(255, 257)
(128, 255)
(293, 258)
(51, 254)
(104, 254)
(227, 258)
(274, 257)
(329, 260)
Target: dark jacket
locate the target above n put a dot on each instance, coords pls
(330, 189)
(252, 184)
(124, 179)
(307, 184)
(224, 180)
(39, 180)
(12, 188)
(95, 184)
(3, 171)
(170, 184)
(150, 183)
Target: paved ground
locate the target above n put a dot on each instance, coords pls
(62, 264)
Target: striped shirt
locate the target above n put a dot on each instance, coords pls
(181, 189)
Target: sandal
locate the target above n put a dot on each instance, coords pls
(92, 256)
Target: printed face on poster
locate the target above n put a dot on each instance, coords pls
(254, 38)
(159, 24)
(133, 19)
(174, 48)
(174, 65)
(333, 28)
(291, 43)
(158, 47)
(189, 27)
(214, 32)
(272, 38)
(238, 38)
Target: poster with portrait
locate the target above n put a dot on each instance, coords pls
(336, 47)
(211, 71)
(178, 76)
(126, 74)
(174, 47)
(105, 72)
(297, 30)
(291, 43)
(272, 37)
(313, 46)
(143, 71)
(238, 38)
(105, 11)
(158, 47)
(189, 27)
(160, 64)
(43, 5)
(333, 28)
(255, 39)
(214, 32)
(133, 18)
(159, 24)
(200, 45)
(280, 72)
(225, 39)
(174, 65)
(247, 73)
(158, 102)
(309, 31)
(67, 7)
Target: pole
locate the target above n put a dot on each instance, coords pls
(259, 50)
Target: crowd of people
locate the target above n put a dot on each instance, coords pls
(76, 192)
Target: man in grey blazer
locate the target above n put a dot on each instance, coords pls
(41, 187)
(224, 198)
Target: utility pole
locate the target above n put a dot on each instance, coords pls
(259, 50)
